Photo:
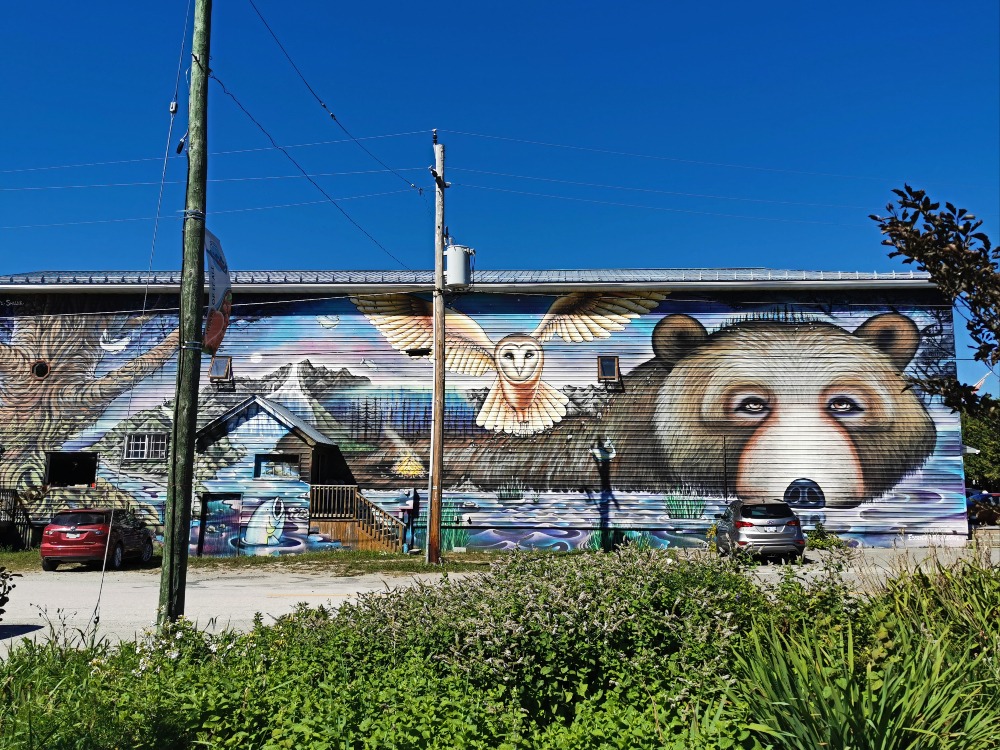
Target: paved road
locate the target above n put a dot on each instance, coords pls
(216, 600)
(220, 599)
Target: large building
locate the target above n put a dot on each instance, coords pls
(582, 407)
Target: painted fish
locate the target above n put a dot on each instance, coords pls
(266, 524)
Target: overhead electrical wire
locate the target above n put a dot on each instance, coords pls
(653, 190)
(652, 208)
(307, 203)
(305, 174)
(229, 152)
(420, 190)
(216, 179)
(700, 162)
(222, 211)
(96, 616)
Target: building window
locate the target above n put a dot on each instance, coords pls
(607, 369)
(276, 466)
(221, 369)
(145, 445)
(71, 469)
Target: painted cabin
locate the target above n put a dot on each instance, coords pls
(581, 407)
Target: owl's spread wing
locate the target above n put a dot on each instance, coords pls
(406, 321)
(585, 316)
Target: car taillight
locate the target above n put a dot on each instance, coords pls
(98, 532)
(800, 541)
(793, 522)
(743, 525)
(50, 532)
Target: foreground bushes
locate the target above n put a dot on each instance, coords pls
(634, 649)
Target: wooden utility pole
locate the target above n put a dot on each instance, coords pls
(180, 480)
(437, 412)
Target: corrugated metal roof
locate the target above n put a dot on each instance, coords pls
(482, 278)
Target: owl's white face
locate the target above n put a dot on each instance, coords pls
(519, 358)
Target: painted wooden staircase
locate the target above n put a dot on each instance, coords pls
(342, 513)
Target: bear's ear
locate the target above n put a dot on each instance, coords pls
(675, 337)
(894, 335)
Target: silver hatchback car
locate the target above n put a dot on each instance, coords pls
(768, 528)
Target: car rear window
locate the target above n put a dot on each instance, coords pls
(770, 510)
(79, 519)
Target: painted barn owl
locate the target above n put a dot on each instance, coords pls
(519, 402)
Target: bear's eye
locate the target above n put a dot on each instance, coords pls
(843, 405)
(752, 405)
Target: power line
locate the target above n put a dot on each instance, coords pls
(420, 191)
(668, 158)
(217, 179)
(661, 192)
(152, 251)
(304, 173)
(213, 153)
(307, 203)
(652, 208)
(223, 211)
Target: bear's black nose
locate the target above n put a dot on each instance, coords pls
(804, 493)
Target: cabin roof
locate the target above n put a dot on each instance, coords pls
(218, 426)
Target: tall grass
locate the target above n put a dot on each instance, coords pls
(453, 533)
(911, 691)
(684, 507)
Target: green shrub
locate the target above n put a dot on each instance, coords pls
(637, 648)
(821, 538)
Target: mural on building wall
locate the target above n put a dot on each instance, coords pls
(756, 396)
(63, 363)
(519, 401)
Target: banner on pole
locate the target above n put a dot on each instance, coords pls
(220, 295)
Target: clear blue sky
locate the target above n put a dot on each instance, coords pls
(758, 134)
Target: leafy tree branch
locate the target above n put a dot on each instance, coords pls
(949, 245)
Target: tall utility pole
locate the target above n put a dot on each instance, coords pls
(437, 415)
(180, 481)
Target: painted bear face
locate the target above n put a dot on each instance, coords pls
(804, 412)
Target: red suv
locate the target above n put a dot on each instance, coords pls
(88, 534)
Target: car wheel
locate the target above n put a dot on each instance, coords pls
(117, 557)
(147, 552)
(49, 565)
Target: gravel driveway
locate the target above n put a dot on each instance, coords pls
(218, 599)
